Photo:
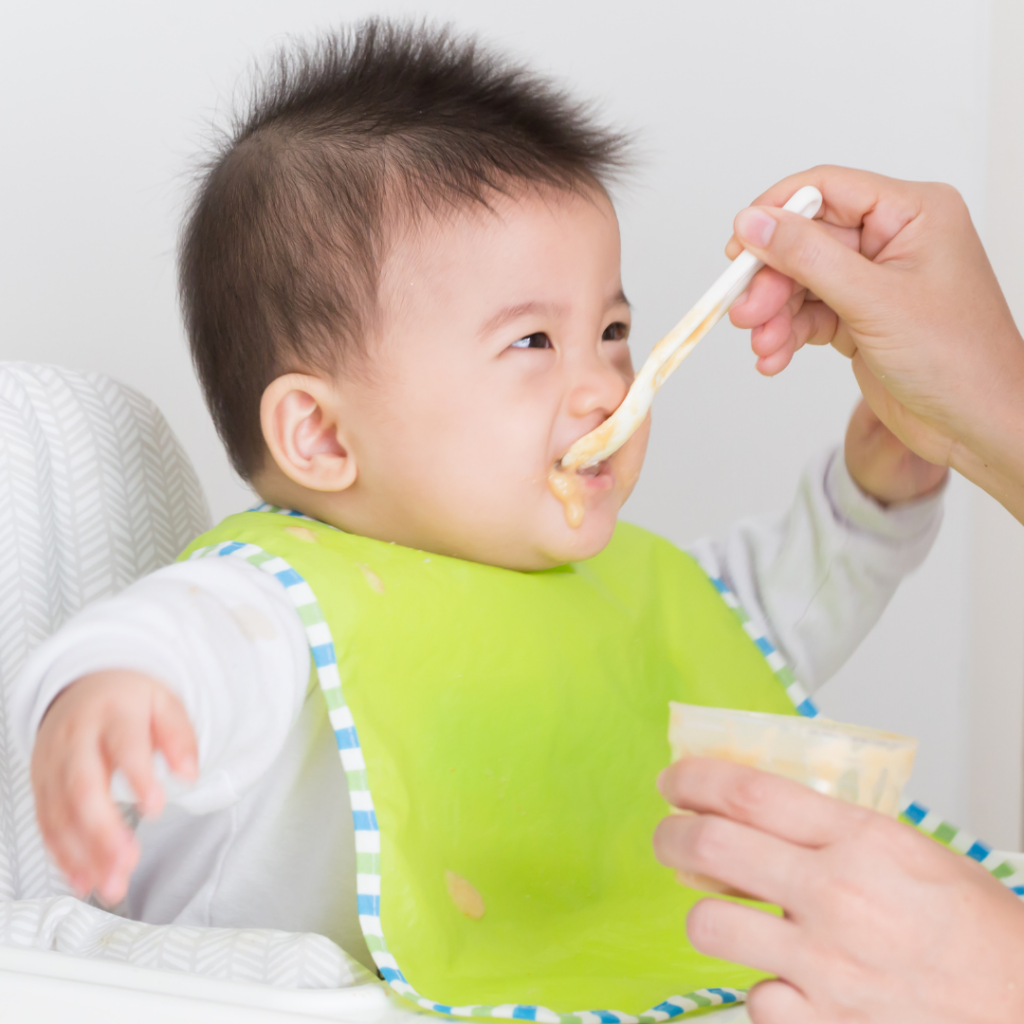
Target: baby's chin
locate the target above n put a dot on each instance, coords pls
(563, 543)
(568, 543)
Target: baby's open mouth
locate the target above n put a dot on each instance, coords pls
(570, 488)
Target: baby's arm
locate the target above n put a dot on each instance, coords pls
(817, 579)
(212, 645)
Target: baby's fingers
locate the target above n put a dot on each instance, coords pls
(81, 824)
(127, 746)
(65, 846)
(173, 735)
(97, 821)
(111, 849)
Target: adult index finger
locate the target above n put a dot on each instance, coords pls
(809, 254)
(746, 859)
(876, 206)
(771, 290)
(849, 190)
(850, 197)
(770, 803)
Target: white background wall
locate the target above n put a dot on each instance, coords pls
(105, 105)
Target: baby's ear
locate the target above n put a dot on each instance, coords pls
(301, 420)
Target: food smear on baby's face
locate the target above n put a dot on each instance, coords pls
(569, 488)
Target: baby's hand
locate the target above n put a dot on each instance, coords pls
(102, 722)
(882, 465)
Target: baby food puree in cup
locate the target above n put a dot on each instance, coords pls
(862, 766)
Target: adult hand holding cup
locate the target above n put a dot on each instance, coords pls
(866, 767)
(881, 924)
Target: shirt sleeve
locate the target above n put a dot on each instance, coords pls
(817, 579)
(220, 634)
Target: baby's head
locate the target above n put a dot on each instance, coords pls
(401, 284)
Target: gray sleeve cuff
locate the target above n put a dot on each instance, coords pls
(907, 521)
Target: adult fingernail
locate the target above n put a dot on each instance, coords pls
(742, 298)
(754, 226)
(661, 781)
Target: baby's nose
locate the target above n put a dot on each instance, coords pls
(600, 388)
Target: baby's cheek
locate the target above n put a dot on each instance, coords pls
(629, 461)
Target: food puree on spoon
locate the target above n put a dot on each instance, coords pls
(567, 479)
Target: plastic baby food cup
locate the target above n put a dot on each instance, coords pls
(862, 766)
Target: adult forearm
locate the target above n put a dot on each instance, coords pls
(998, 472)
(991, 452)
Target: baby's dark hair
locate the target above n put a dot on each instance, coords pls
(361, 129)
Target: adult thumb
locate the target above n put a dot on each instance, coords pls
(803, 250)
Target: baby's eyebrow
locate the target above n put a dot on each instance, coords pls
(510, 313)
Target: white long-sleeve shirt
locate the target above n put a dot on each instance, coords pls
(264, 837)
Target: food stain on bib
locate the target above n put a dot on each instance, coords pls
(464, 895)
(376, 583)
(567, 486)
(302, 533)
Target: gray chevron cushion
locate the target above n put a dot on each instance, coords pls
(283, 959)
(95, 491)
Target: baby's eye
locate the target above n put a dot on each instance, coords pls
(538, 340)
(617, 331)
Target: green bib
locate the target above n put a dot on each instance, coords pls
(501, 734)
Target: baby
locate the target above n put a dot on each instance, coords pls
(401, 284)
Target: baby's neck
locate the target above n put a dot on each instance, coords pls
(331, 508)
(349, 512)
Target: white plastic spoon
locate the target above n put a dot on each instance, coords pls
(608, 438)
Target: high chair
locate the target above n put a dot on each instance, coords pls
(95, 491)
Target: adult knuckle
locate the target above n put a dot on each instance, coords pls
(949, 205)
(877, 834)
(747, 794)
(708, 840)
(948, 194)
(824, 889)
(809, 255)
(849, 899)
